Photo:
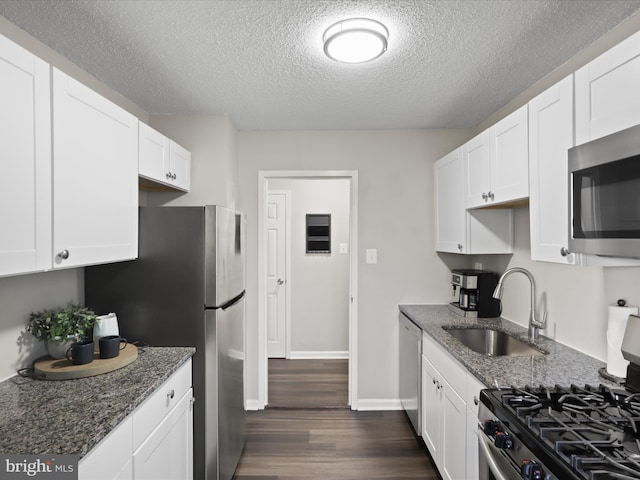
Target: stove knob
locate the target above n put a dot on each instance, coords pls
(490, 427)
(531, 470)
(504, 441)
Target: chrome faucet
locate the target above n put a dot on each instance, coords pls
(534, 323)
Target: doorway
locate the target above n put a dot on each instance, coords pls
(317, 352)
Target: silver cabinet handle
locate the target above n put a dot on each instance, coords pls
(460, 246)
(491, 196)
(475, 400)
(64, 254)
(564, 251)
(174, 176)
(485, 196)
(280, 281)
(171, 394)
(168, 175)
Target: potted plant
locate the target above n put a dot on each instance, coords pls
(61, 326)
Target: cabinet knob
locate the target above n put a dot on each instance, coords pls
(491, 196)
(564, 251)
(174, 176)
(171, 394)
(475, 400)
(460, 246)
(64, 254)
(168, 176)
(485, 196)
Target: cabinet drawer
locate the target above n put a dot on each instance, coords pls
(450, 369)
(148, 415)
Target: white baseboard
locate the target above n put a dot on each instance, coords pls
(368, 404)
(318, 355)
(253, 404)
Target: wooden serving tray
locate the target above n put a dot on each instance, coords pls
(47, 368)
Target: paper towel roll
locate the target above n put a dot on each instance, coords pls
(616, 364)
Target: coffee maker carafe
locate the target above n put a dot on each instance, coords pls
(476, 293)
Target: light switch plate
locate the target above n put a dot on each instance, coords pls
(343, 249)
(372, 256)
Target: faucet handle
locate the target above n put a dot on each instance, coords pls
(543, 324)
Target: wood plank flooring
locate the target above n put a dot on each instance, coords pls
(308, 431)
(332, 444)
(308, 383)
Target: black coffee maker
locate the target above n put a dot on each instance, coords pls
(475, 298)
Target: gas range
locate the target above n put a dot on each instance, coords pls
(581, 433)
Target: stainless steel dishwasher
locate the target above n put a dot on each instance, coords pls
(410, 346)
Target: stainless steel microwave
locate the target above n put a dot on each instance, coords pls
(604, 195)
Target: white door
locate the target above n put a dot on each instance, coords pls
(276, 223)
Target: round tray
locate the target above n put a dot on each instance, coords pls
(47, 368)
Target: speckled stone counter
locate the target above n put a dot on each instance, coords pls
(72, 416)
(563, 365)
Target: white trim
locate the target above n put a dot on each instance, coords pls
(263, 374)
(254, 405)
(319, 355)
(373, 404)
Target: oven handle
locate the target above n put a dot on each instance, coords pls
(485, 452)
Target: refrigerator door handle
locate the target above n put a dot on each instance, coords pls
(233, 301)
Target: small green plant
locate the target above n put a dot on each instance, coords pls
(72, 320)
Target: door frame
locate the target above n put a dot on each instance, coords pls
(263, 365)
(287, 270)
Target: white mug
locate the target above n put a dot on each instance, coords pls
(105, 325)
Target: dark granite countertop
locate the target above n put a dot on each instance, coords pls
(563, 365)
(71, 416)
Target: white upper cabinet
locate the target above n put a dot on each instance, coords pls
(480, 231)
(25, 143)
(607, 93)
(95, 171)
(450, 213)
(162, 161)
(497, 162)
(550, 138)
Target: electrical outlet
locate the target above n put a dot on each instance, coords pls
(477, 266)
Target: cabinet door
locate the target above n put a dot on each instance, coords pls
(510, 158)
(95, 177)
(607, 93)
(450, 208)
(477, 165)
(431, 406)
(453, 433)
(25, 143)
(550, 137)
(153, 162)
(472, 446)
(180, 167)
(168, 452)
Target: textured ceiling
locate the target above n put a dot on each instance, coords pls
(449, 64)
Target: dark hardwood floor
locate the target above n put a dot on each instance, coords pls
(308, 431)
(308, 383)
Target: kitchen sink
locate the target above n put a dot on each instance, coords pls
(492, 342)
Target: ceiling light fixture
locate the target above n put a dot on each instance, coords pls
(356, 40)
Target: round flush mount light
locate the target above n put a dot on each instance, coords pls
(356, 40)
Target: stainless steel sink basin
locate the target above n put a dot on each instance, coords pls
(493, 342)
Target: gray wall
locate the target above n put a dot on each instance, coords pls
(319, 283)
(395, 216)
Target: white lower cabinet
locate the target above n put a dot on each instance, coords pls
(173, 438)
(449, 425)
(154, 442)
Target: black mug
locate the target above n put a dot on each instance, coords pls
(110, 346)
(80, 353)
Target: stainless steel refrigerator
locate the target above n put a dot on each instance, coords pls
(187, 289)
